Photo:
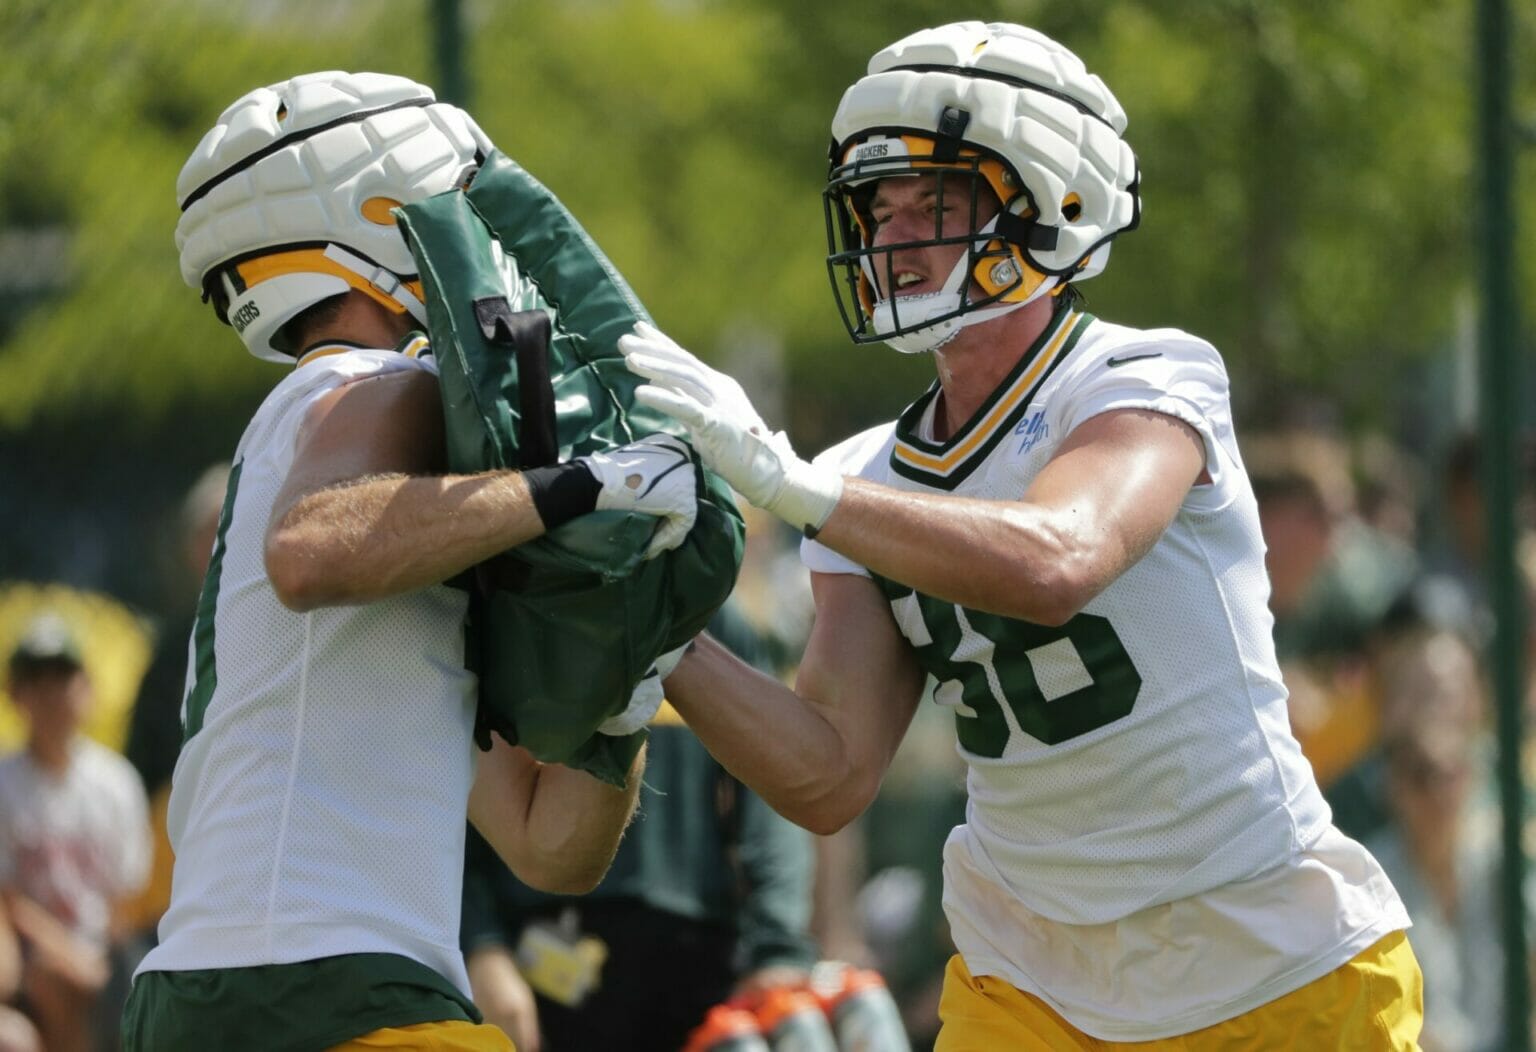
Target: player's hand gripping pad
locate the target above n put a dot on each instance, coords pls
(525, 314)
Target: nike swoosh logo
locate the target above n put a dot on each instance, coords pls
(1115, 363)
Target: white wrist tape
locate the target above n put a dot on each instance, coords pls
(809, 494)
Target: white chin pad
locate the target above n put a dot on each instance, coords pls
(914, 310)
(908, 311)
(943, 305)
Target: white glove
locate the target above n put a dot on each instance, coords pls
(729, 435)
(646, 699)
(653, 476)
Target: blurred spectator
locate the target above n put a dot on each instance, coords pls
(1333, 576)
(1464, 504)
(708, 895)
(1388, 484)
(1441, 848)
(1456, 549)
(115, 641)
(17, 1034)
(74, 838)
(1336, 581)
(1303, 493)
(154, 728)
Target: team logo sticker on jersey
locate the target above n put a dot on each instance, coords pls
(944, 465)
(1032, 431)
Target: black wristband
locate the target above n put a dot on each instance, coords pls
(562, 492)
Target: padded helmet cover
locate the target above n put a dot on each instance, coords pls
(287, 200)
(1032, 103)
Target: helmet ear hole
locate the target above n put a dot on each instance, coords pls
(1071, 208)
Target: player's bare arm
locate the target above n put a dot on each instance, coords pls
(1092, 513)
(556, 828)
(834, 735)
(363, 514)
(1131, 781)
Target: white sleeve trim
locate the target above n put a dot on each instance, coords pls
(1205, 497)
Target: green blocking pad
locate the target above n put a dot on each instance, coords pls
(525, 313)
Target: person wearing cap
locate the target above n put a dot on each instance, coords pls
(74, 837)
(1060, 532)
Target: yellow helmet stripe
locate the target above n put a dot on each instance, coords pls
(314, 260)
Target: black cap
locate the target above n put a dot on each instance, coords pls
(48, 642)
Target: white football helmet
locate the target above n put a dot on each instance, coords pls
(984, 108)
(287, 200)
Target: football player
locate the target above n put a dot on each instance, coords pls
(318, 803)
(1059, 532)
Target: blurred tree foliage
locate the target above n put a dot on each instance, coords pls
(1307, 168)
(104, 103)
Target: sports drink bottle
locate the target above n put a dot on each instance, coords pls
(727, 1029)
(794, 1021)
(864, 1015)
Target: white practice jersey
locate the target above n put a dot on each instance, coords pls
(1139, 755)
(319, 800)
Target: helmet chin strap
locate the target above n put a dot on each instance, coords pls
(949, 300)
(385, 281)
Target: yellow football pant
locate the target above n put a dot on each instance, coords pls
(452, 1035)
(1374, 1003)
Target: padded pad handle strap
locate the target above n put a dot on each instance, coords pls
(527, 333)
